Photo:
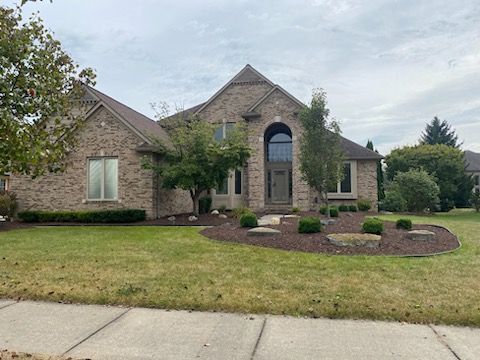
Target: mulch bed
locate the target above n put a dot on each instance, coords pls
(394, 241)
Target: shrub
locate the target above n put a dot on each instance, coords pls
(333, 211)
(343, 207)
(418, 189)
(309, 224)
(248, 220)
(393, 201)
(8, 203)
(241, 210)
(373, 226)
(364, 204)
(99, 216)
(204, 204)
(295, 210)
(353, 208)
(404, 224)
(475, 200)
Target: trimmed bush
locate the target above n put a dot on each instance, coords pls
(204, 204)
(323, 210)
(404, 224)
(248, 220)
(393, 201)
(343, 208)
(295, 210)
(419, 190)
(333, 210)
(364, 204)
(100, 216)
(8, 203)
(309, 224)
(241, 210)
(353, 208)
(373, 226)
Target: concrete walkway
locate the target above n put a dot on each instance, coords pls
(100, 332)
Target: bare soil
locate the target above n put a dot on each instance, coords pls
(394, 241)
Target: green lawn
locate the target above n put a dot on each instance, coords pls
(176, 268)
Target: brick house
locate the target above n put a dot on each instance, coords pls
(105, 170)
(472, 160)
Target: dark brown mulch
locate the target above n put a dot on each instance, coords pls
(394, 241)
(11, 225)
(203, 220)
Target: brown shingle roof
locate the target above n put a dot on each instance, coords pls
(473, 160)
(148, 127)
(354, 151)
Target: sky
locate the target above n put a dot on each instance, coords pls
(388, 67)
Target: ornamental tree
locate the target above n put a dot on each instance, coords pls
(38, 82)
(321, 155)
(195, 161)
(380, 186)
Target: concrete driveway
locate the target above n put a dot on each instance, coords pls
(101, 332)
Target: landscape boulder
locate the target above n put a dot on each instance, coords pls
(263, 231)
(421, 235)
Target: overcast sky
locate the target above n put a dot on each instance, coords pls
(388, 66)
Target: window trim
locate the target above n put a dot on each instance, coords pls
(6, 179)
(223, 126)
(353, 184)
(102, 183)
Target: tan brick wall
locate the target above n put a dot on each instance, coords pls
(102, 135)
(367, 181)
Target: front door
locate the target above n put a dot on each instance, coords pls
(280, 186)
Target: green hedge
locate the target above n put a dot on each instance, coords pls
(309, 224)
(353, 208)
(404, 224)
(364, 204)
(333, 210)
(343, 208)
(100, 216)
(248, 220)
(373, 226)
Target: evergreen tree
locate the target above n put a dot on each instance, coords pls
(439, 132)
(380, 186)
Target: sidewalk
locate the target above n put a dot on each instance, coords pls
(98, 332)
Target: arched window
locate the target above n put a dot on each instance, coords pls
(279, 143)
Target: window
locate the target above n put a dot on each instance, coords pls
(103, 179)
(238, 182)
(279, 148)
(477, 180)
(345, 186)
(223, 130)
(3, 184)
(222, 189)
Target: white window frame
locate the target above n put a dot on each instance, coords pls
(102, 184)
(353, 184)
(6, 179)
(224, 128)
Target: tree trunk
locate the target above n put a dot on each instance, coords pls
(195, 195)
(325, 200)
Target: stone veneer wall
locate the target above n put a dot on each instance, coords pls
(367, 181)
(102, 135)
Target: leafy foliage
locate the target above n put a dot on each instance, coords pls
(321, 156)
(38, 84)
(418, 189)
(364, 204)
(343, 207)
(404, 224)
(99, 216)
(393, 201)
(196, 162)
(241, 210)
(331, 209)
(380, 177)
(444, 163)
(204, 204)
(439, 132)
(8, 203)
(309, 225)
(475, 200)
(248, 219)
(353, 208)
(372, 226)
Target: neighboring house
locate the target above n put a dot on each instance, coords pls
(105, 168)
(4, 182)
(473, 167)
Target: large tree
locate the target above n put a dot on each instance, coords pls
(445, 163)
(38, 82)
(195, 161)
(321, 155)
(380, 186)
(439, 132)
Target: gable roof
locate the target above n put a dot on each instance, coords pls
(145, 127)
(354, 151)
(473, 160)
(247, 75)
(268, 94)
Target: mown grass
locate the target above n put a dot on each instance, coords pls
(177, 268)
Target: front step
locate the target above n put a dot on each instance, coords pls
(278, 209)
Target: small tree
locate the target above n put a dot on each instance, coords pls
(38, 80)
(380, 185)
(195, 161)
(418, 188)
(439, 132)
(475, 200)
(321, 155)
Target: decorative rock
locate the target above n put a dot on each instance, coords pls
(215, 212)
(383, 212)
(327, 221)
(222, 216)
(421, 235)
(2, 219)
(275, 221)
(353, 239)
(171, 218)
(192, 218)
(293, 216)
(263, 231)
